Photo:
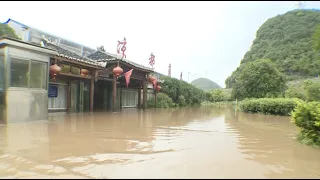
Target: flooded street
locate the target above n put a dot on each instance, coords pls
(201, 142)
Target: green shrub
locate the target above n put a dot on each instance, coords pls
(182, 101)
(273, 106)
(307, 117)
(163, 101)
(313, 92)
(175, 88)
(296, 92)
(218, 95)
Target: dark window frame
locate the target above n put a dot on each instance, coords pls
(30, 61)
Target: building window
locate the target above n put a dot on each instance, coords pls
(129, 98)
(23, 70)
(59, 102)
(19, 72)
(38, 75)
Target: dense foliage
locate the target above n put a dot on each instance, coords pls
(181, 92)
(7, 31)
(205, 84)
(308, 90)
(163, 101)
(307, 117)
(286, 40)
(259, 79)
(272, 106)
(218, 95)
(175, 92)
(296, 92)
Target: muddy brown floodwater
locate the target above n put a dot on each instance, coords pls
(201, 142)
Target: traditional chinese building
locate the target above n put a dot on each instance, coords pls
(109, 85)
(72, 89)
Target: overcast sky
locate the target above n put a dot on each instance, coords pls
(207, 39)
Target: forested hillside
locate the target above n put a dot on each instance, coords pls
(286, 40)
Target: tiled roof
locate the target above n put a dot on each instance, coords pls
(101, 56)
(73, 56)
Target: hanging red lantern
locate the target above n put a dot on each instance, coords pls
(158, 88)
(54, 70)
(117, 71)
(84, 72)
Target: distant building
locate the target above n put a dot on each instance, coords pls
(30, 34)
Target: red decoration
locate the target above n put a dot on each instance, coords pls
(158, 88)
(84, 72)
(117, 71)
(154, 82)
(122, 47)
(127, 76)
(151, 60)
(54, 70)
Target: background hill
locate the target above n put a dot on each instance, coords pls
(205, 84)
(286, 40)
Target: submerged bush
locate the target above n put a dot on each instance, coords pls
(307, 117)
(273, 106)
(163, 101)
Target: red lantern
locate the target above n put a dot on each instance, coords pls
(117, 71)
(54, 70)
(158, 88)
(84, 72)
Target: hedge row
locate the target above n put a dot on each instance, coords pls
(272, 106)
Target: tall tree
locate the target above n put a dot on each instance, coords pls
(258, 79)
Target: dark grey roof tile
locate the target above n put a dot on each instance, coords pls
(70, 55)
(101, 56)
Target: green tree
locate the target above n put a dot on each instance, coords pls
(316, 39)
(7, 31)
(259, 79)
(181, 92)
(218, 95)
(313, 92)
(296, 92)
